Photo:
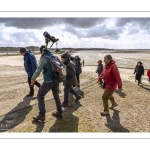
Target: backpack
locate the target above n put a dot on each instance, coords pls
(56, 65)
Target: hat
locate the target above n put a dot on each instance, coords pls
(43, 48)
(65, 55)
(23, 50)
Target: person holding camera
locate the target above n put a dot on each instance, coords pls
(46, 86)
(70, 80)
(30, 65)
(112, 79)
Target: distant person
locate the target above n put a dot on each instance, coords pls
(99, 69)
(135, 70)
(139, 70)
(70, 80)
(78, 69)
(148, 74)
(46, 86)
(83, 63)
(30, 65)
(112, 79)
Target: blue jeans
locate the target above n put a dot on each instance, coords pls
(43, 90)
(66, 93)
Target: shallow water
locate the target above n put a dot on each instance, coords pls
(125, 60)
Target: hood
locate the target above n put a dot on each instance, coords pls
(112, 62)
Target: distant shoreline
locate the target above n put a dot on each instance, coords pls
(36, 48)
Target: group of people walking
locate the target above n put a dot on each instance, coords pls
(108, 76)
(33, 70)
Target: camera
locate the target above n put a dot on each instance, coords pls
(49, 38)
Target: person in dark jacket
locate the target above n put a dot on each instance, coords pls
(83, 63)
(70, 80)
(30, 65)
(46, 86)
(78, 69)
(99, 69)
(139, 70)
(135, 70)
(112, 79)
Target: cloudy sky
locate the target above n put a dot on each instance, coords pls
(117, 33)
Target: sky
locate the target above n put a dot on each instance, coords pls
(113, 33)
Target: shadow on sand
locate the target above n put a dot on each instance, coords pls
(145, 86)
(69, 123)
(114, 122)
(120, 93)
(16, 115)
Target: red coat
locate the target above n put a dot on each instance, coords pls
(148, 73)
(111, 76)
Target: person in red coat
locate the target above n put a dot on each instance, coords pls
(111, 77)
(148, 74)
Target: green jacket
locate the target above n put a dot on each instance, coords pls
(46, 67)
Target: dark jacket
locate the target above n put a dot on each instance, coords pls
(30, 63)
(99, 69)
(71, 74)
(78, 66)
(139, 70)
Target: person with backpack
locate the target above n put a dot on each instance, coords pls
(112, 79)
(99, 69)
(70, 80)
(47, 85)
(30, 65)
(78, 69)
(139, 70)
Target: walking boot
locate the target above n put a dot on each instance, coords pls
(79, 97)
(39, 118)
(57, 114)
(104, 113)
(64, 105)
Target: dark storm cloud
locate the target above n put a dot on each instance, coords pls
(38, 23)
(28, 23)
(142, 23)
(99, 31)
(83, 22)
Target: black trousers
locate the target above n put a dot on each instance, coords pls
(43, 90)
(139, 77)
(32, 88)
(78, 78)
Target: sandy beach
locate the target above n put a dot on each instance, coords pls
(131, 115)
